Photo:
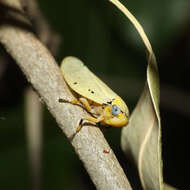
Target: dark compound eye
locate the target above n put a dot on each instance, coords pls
(115, 110)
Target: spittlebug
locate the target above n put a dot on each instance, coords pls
(95, 96)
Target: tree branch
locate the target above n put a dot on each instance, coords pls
(43, 73)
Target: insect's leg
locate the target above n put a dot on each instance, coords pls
(91, 119)
(75, 101)
(85, 103)
(87, 106)
(80, 125)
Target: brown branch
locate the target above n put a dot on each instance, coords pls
(43, 73)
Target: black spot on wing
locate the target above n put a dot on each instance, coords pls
(91, 91)
(75, 83)
(109, 102)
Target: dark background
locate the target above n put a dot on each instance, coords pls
(96, 32)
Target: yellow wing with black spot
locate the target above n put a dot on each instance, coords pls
(84, 82)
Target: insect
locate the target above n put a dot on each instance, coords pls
(104, 105)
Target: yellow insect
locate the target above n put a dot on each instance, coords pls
(95, 96)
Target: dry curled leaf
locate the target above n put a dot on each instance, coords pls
(141, 139)
(169, 187)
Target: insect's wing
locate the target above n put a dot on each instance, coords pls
(84, 82)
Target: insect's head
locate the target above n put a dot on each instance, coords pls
(116, 113)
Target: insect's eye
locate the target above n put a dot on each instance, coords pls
(115, 110)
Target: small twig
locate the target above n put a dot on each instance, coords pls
(33, 117)
(45, 33)
(43, 73)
